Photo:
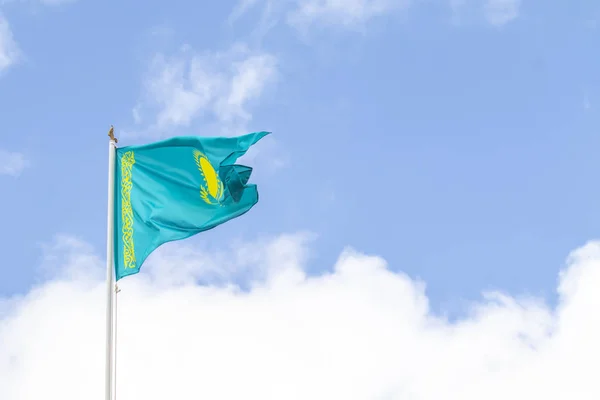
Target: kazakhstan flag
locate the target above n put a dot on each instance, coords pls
(174, 189)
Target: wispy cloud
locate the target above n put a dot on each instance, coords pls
(347, 13)
(10, 54)
(353, 15)
(587, 104)
(214, 87)
(241, 8)
(49, 3)
(12, 163)
(361, 331)
(9, 51)
(303, 14)
(56, 2)
(501, 12)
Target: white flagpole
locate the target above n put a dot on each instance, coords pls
(112, 147)
(115, 337)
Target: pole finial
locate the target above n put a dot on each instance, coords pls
(111, 134)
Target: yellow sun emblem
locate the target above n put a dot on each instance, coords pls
(212, 189)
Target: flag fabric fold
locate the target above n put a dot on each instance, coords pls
(173, 189)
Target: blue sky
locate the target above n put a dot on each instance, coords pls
(428, 211)
(455, 139)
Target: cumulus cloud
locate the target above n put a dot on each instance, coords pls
(9, 51)
(187, 330)
(215, 87)
(12, 163)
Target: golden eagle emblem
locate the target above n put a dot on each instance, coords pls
(212, 189)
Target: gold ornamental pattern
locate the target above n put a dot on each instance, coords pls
(127, 162)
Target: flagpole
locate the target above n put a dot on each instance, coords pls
(110, 226)
(115, 337)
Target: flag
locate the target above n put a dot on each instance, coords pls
(173, 189)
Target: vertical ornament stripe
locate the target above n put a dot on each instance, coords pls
(127, 162)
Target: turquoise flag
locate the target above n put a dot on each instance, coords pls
(174, 189)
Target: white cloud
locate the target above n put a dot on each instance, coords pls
(347, 13)
(494, 12)
(9, 51)
(501, 12)
(12, 163)
(360, 332)
(304, 15)
(241, 8)
(218, 88)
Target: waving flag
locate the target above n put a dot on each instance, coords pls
(174, 189)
